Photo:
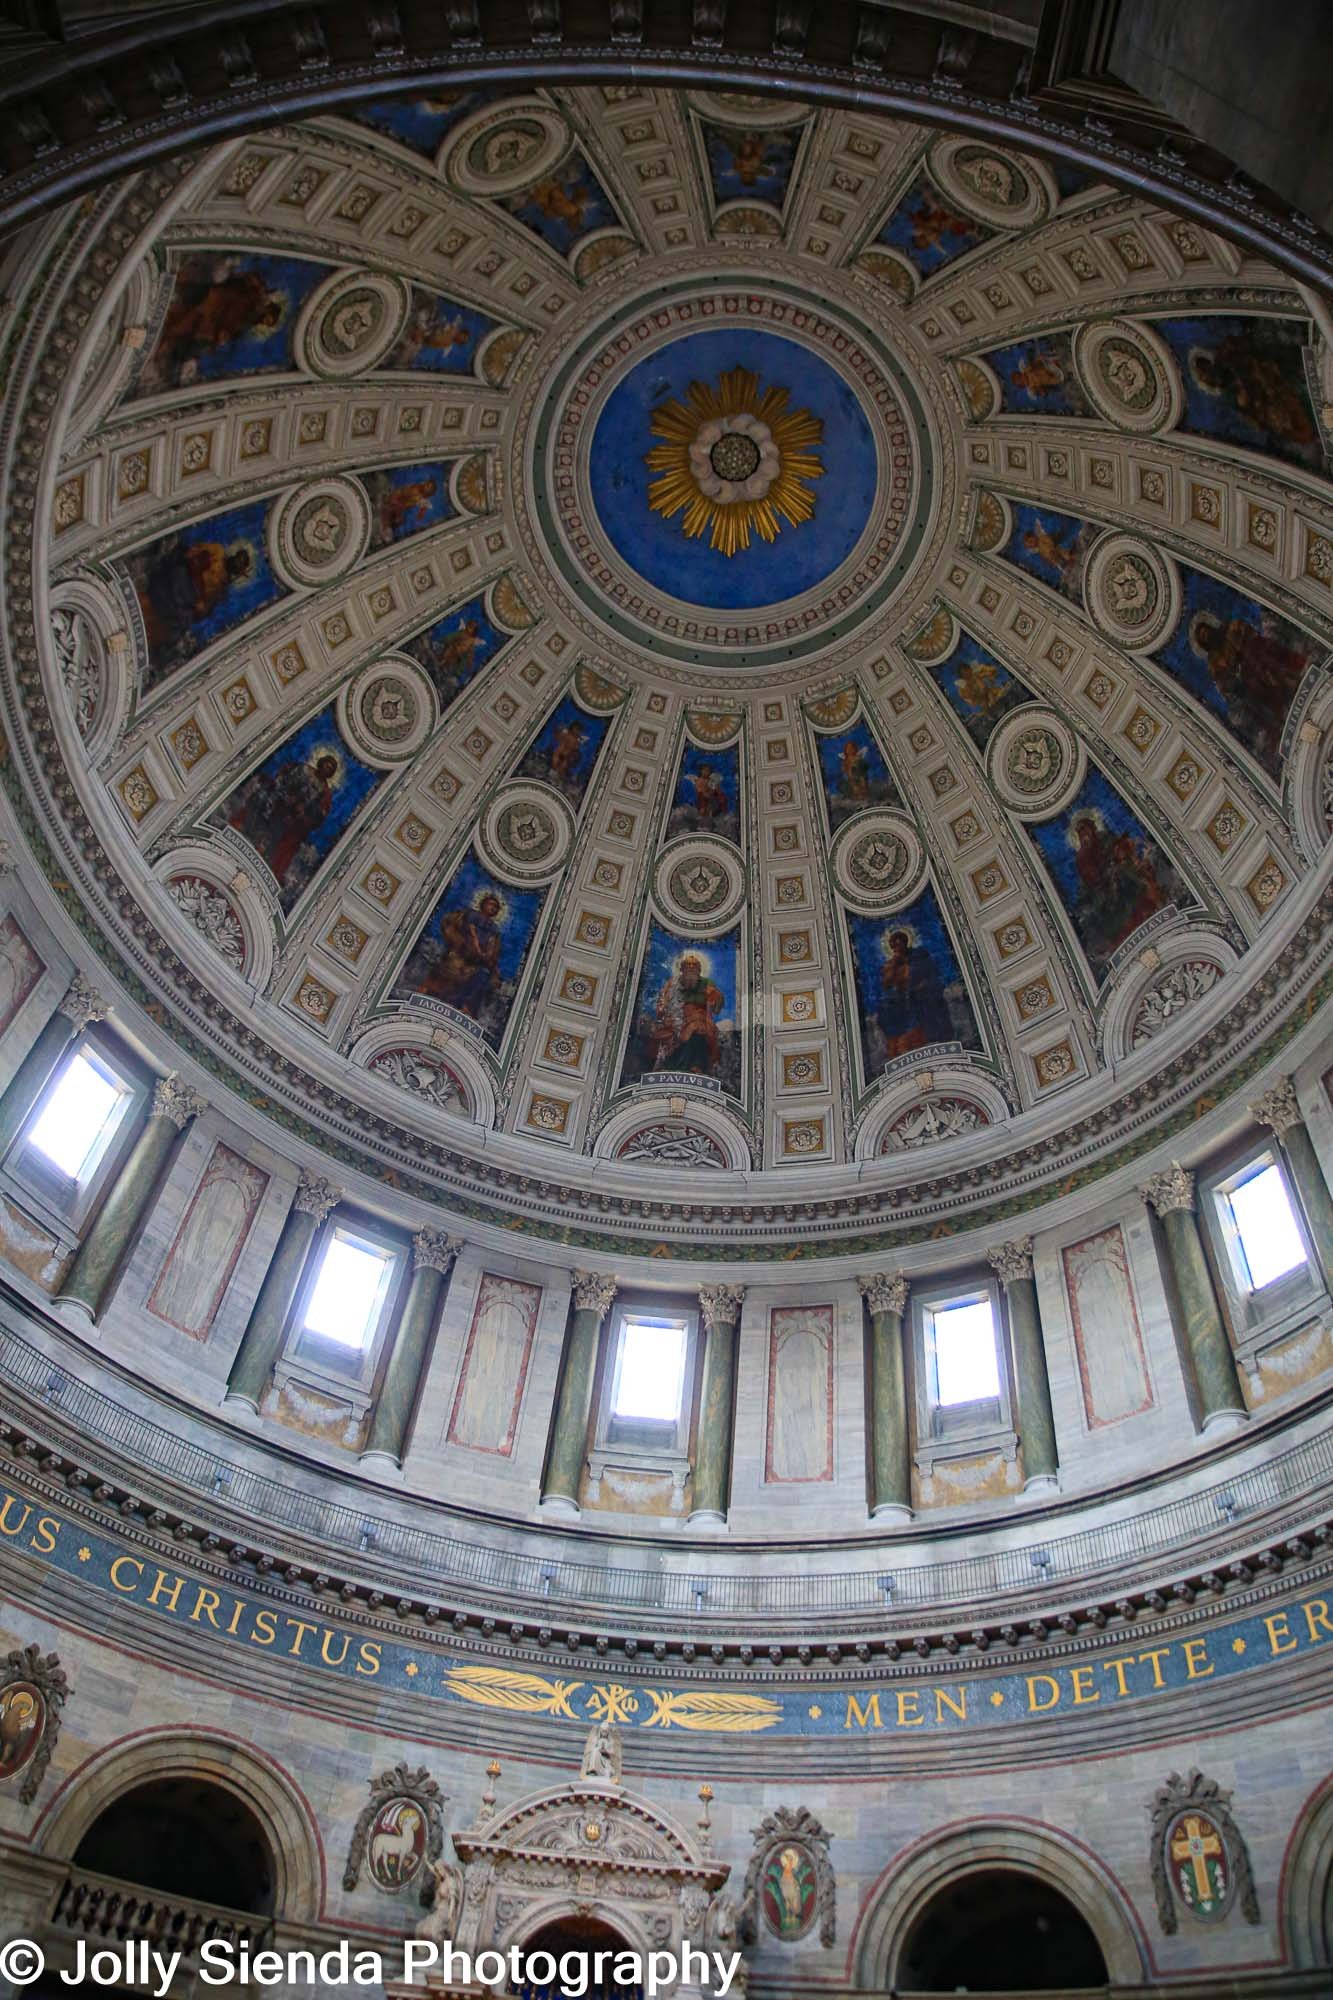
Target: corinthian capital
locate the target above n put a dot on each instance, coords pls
(720, 1304)
(175, 1100)
(432, 1250)
(1012, 1261)
(884, 1294)
(1277, 1108)
(315, 1196)
(593, 1292)
(83, 1004)
(1173, 1188)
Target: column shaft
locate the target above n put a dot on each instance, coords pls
(432, 1256)
(1036, 1419)
(569, 1439)
(119, 1216)
(1214, 1364)
(890, 1432)
(261, 1342)
(1312, 1190)
(721, 1310)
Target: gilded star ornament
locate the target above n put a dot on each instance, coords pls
(736, 458)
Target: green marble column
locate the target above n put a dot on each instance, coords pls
(1012, 1264)
(432, 1254)
(1221, 1399)
(261, 1343)
(592, 1296)
(1280, 1112)
(79, 1009)
(720, 1306)
(890, 1427)
(100, 1253)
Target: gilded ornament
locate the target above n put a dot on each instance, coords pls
(736, 459)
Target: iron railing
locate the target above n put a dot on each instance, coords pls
(430, 1561)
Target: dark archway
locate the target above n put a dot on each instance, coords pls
(1001, 1931)
(585, 1936)
(187, 1838)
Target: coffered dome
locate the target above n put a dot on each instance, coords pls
(680, 672)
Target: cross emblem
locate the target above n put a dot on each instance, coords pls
(1195, 1845)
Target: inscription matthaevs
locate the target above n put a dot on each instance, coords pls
(1128, 1668)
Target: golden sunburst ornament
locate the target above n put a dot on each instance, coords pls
(735, 460)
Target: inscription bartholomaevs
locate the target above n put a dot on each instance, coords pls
(1131, 1668)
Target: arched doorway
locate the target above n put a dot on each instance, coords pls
(584, 1936)
(1000, 1931)
(187, 1838)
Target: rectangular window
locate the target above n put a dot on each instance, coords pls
(351, 1285)
(1262, 1232)
(650, 1370)
(965, 1362)
(76, 1132)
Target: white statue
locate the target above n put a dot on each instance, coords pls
(601, 1754)
(438, 1923)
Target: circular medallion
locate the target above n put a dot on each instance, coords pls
(1198, 1866)
(506, 148)
(699, 883)
(1131, 590)
(733, 473)
(22, 1722)
(350, 323)
(319, 532)
(396, 1844)
(878, 861)
(387, 712)
(989, 181)
(1129, 374)
(527, 832)
(1035, 761)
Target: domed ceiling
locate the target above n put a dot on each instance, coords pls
(680, 670)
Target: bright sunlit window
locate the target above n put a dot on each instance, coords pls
(349, 1291)
(966, 1365)
(1270, 1242)
(79, 1117)
(650, 1370)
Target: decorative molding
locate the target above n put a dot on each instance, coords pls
(1278, 1108)
(720, 1305)
(884, 1294)
(794, 1829)
(33, 1691)
(83, 1004)
(432, 1250)
(1191, 1826)
(315, 1195)
(177, 1101)
(593, 1292)
(1012, 1261)
(418, 1792)
(1173, 1188)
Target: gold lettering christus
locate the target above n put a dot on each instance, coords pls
(16, 1519)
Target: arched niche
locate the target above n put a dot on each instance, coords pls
(1306, 1892)
(944, 1860)
(167, 1756)
(188, 1837)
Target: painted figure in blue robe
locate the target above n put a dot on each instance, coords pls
(439, 336)
(467, 969)
(565, 750)
(228, 315)
(750, 166)
(564, 206)
(684, 1014)
(1038, 377)
(455, 648)
(913, 1011)
(199, 582)
(1051, 546)
(1112, 876)
(978, 689)
(295, 808)
(404, 499)
(929, 233)
(1256, 673)
(707, 791)
(855, 774)
(1244, 378)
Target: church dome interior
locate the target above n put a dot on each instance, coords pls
(666, 1107)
